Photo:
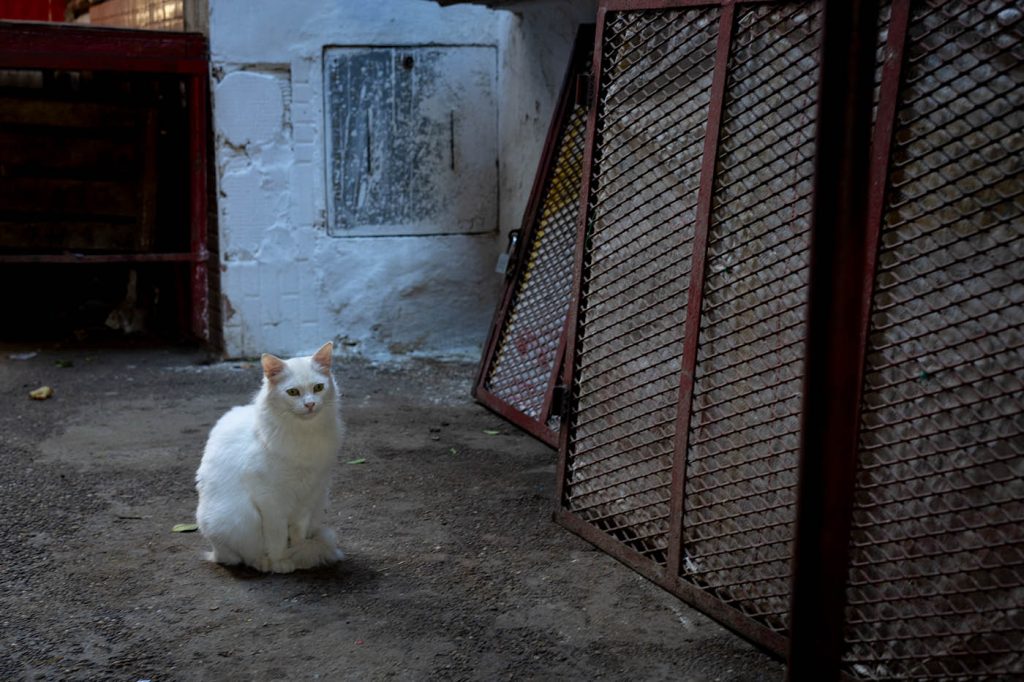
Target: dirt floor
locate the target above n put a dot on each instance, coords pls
(455, 570)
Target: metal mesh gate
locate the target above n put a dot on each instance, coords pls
(637, 274)
(936, 583)
(522, 361)
(683, 436)
(744, 425)
(687, 339)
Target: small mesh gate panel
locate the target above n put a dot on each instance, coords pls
(522, 363)
(655, 80)
(936, 584)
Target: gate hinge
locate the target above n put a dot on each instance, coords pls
(507, 258)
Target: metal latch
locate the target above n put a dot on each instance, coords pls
(508, 255)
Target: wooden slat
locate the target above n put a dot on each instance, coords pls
(148, 141)
(70, 236)
(69, 154)
(35, 196)
(48, 112)
(94, 258)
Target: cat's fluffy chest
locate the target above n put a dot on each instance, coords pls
(300, 459)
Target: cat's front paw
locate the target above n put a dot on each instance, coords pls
(265, 565)
(282, 566)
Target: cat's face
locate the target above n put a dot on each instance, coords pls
(301, 386)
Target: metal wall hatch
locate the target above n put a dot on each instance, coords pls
(521, 367)
(688, 336)
(412, 140)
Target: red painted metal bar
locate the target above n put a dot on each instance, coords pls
(65, 46)
(199, 274)
(572, 321)
(529, 219)
(829, 427)
(510, 413)
(696, 288)
(881, 144)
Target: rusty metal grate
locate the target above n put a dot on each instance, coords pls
(520, 373)
(744, 426)
(655, 79)
(689, 333)
(522, 363)
(936, 583)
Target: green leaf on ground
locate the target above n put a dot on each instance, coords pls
(184, 528)
(361, 460)
(492, 432)
(453, 451)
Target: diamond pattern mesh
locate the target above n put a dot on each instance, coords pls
(936, 581)
(656, 78)
(937, 566)
(527, 349)
(744, 429)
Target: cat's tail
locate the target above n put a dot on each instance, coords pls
(318, 550)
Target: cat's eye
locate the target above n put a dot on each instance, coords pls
(292, 392)
(318, 388)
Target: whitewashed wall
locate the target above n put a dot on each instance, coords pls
(286, 285)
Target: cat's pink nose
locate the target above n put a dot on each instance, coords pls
(310, 406)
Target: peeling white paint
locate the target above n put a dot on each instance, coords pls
(250, 108)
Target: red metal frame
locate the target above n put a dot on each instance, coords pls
(531, 217)
(200, 280)
(696, 289)
(33, 10)
(572, 320)
(73, 47)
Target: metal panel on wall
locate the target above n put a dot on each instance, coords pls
(522, 361)
(412, 141)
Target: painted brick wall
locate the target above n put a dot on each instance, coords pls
(286, 285)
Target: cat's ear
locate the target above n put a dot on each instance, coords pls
(272, 366)
(322, 358)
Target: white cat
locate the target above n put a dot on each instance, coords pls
(265, 472)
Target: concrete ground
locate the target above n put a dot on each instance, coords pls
(455, 570)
